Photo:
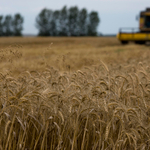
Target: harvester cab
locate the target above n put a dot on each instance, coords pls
(139, 35)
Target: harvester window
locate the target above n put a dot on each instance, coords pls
(147, 21)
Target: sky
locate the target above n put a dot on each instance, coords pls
(112, 13)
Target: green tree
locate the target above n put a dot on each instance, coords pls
(67, 22)
(7, 26)
(43, 22)
(17, 25)
(1, 25)
(83, 22)
(93, 23)
(73, 20)
(54, 24)
(63, 22)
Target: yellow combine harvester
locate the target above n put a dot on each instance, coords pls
(140, 35)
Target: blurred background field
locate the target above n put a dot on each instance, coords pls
(19, 54)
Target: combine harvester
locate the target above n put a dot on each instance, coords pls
(139, 35)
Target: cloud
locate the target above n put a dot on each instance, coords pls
(4, 9)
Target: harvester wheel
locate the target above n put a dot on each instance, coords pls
(140, 42)
(124, 42)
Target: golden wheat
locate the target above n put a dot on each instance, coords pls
(97, 107)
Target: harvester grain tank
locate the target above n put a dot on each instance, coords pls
(139, 35)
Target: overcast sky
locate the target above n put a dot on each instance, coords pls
(113, 13)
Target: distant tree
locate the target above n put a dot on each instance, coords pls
(1, 25)
(93, 23)
(73, 18)
(63, 22)
(83, 22)
(67, 22)
(54, 24)
(43, 22)
(7, 26)
(17, 25)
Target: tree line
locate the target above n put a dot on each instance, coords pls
(64, 22)
(67, 22)
(11, 25)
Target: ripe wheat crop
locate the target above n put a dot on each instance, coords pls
(97, 107)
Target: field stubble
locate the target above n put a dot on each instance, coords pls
(63, 96)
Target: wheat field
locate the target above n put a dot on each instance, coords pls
(74, 94)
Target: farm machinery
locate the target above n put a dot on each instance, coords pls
(139, 35)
